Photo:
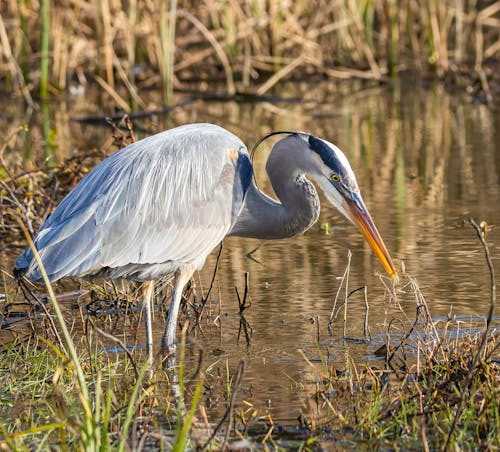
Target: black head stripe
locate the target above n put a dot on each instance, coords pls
(327, 155)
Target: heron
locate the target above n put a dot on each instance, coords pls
(157, 207)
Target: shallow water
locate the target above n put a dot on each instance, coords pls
(424, 160)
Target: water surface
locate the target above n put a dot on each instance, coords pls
(424, 160)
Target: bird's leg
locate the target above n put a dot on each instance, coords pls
(147, 295)
(181, 277)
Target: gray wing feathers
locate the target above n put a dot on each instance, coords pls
(167, 198)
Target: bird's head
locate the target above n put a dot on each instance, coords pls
(331, 170)
(328, 166)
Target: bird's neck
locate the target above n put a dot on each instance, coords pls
(297, 210)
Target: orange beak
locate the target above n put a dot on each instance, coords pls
(359, 215)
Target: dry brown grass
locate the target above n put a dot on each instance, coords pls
(249, 45)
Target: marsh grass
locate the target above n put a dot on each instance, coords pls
(437, 384)
(407, 402)
(94, 400)
(251, 46)
(414, 402)
(410, 397)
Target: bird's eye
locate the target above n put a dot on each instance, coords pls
(335, 177)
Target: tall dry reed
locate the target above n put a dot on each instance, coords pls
(250, 45)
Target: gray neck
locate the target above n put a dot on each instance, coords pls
(298, 209)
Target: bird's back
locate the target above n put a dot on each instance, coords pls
(155, 204)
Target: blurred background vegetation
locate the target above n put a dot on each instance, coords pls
(125, 46)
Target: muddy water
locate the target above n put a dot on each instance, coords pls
(424, 160)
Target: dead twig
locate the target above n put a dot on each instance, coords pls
(117, 341)
(27, 291)
(123, 133)
(204, 300)
(247, 330)
(242, 303)
(482, 344)
(229, 411)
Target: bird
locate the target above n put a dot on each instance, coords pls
(157, 208)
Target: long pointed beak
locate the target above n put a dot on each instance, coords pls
(359, 215)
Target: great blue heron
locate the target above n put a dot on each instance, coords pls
(158, 207)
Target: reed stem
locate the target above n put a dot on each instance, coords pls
(44, 48)
(167, 33)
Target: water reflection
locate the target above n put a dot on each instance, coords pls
(423, 159)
